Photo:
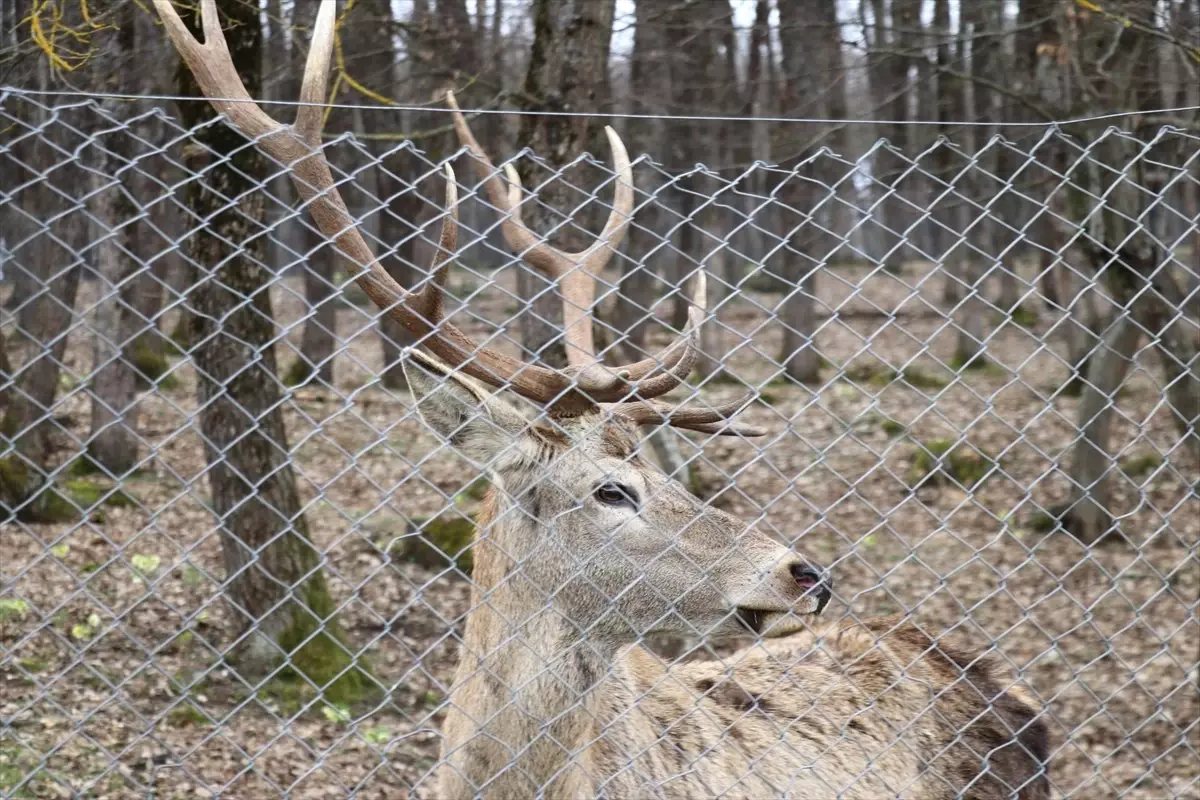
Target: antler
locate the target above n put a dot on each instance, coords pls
(585, 384)
(298, 147)
(576, 275)
(576, 272)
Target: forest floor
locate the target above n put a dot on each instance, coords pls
(111, 630)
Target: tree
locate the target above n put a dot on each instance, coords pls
(648, 241)
(46, 235)
(566, 65)
(318, 339)
(274, 581)
(113, 443)
(804, 28)
(1118, 235)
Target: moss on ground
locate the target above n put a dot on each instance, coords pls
(1077, 382)
(882, 375)
(20, 767)
(83, 467)
(317, 651)
(33, 500)
(299, 373)
(88, 493)
(152, 364)
(187, 715)
(1042, 522)
(1140, 466)
(975, 363)
(438, 543)
(476, 490)
(1024, 316)
(939, 462)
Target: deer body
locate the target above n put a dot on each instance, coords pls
(584, 549)
(853, 711)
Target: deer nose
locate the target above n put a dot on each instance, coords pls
(815, 583)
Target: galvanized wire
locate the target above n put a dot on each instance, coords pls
(952, 313)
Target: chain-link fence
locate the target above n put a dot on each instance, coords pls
(237, 561)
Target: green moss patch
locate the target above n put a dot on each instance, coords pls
(1140, 466)
(22, 767)
(88, 494)
(317, 651)
(1042, 522)
(881, 375)
(939, 462)
(975, 363)
(476, 490)
(152, 363)
(299, 373)
(32, 500)
(438, 543)
(1024, 316)
(187, 715)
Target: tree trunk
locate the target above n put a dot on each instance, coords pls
(48, 254)
(28, 418)
(969, 344)
(113, 442)
(154, 243)
(648, 241)
(275, 587)
(801, 27)
(6, 373)
(1178, 348)
(717, 70)
(317, 341)
(370, 26)
(565, 73)
(1086, 514)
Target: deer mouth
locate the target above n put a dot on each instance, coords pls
(769, 623)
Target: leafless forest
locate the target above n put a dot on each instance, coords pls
(952, 247)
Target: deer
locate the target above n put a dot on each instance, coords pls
(583, 549)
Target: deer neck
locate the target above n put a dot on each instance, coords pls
(523, 710)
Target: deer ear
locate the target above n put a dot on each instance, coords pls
(477, 423)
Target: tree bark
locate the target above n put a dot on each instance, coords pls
(113, 443)
(48, 252)
(371, 24)
(1087, 515)
(648, 239)
(969, 344)
(801, 25)
(714, 26)
(568, 60)
(275, 586)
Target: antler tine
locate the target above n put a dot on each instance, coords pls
(298, 148)
(706, 420)
(575, 272)
(213, 69)
(429, 301)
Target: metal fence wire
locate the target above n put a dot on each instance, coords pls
(239, 560)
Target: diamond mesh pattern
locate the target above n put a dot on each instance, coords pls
(981, 389)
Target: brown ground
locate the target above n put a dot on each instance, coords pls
(111, 681)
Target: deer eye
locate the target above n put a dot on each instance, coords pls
(615, 494)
